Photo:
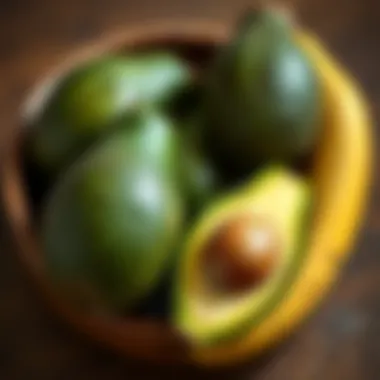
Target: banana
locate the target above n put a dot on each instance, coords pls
(341, 175)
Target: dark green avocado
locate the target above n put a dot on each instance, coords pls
(262, 99)
(113, 219)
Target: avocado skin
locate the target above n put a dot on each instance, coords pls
(262, 100)
(89, 100)
(153, 139)
(112, 221)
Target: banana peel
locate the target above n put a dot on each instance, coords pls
(341, 176)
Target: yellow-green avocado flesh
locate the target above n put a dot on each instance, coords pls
(207, 318)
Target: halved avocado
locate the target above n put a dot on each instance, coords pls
(207, 315)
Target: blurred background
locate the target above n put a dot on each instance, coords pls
(342, 341)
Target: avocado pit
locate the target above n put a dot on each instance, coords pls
(242, 253)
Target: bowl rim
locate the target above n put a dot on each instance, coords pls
(133, 337)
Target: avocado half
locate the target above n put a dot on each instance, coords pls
(207, 317)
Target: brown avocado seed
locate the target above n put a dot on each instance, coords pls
(242, 253)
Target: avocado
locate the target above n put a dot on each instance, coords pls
(262, 99)
(112, 220)
(89, 99)
(241, 256)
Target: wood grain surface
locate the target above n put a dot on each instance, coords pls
(340, 342)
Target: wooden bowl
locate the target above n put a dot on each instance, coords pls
(139, 338)
(153, 339)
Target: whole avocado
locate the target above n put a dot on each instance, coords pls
(89, 99)
(262, 99)
(113, 219)
(262, 220)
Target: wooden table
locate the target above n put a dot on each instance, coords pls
(340, 342)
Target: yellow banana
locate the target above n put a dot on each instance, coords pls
(341, 177)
